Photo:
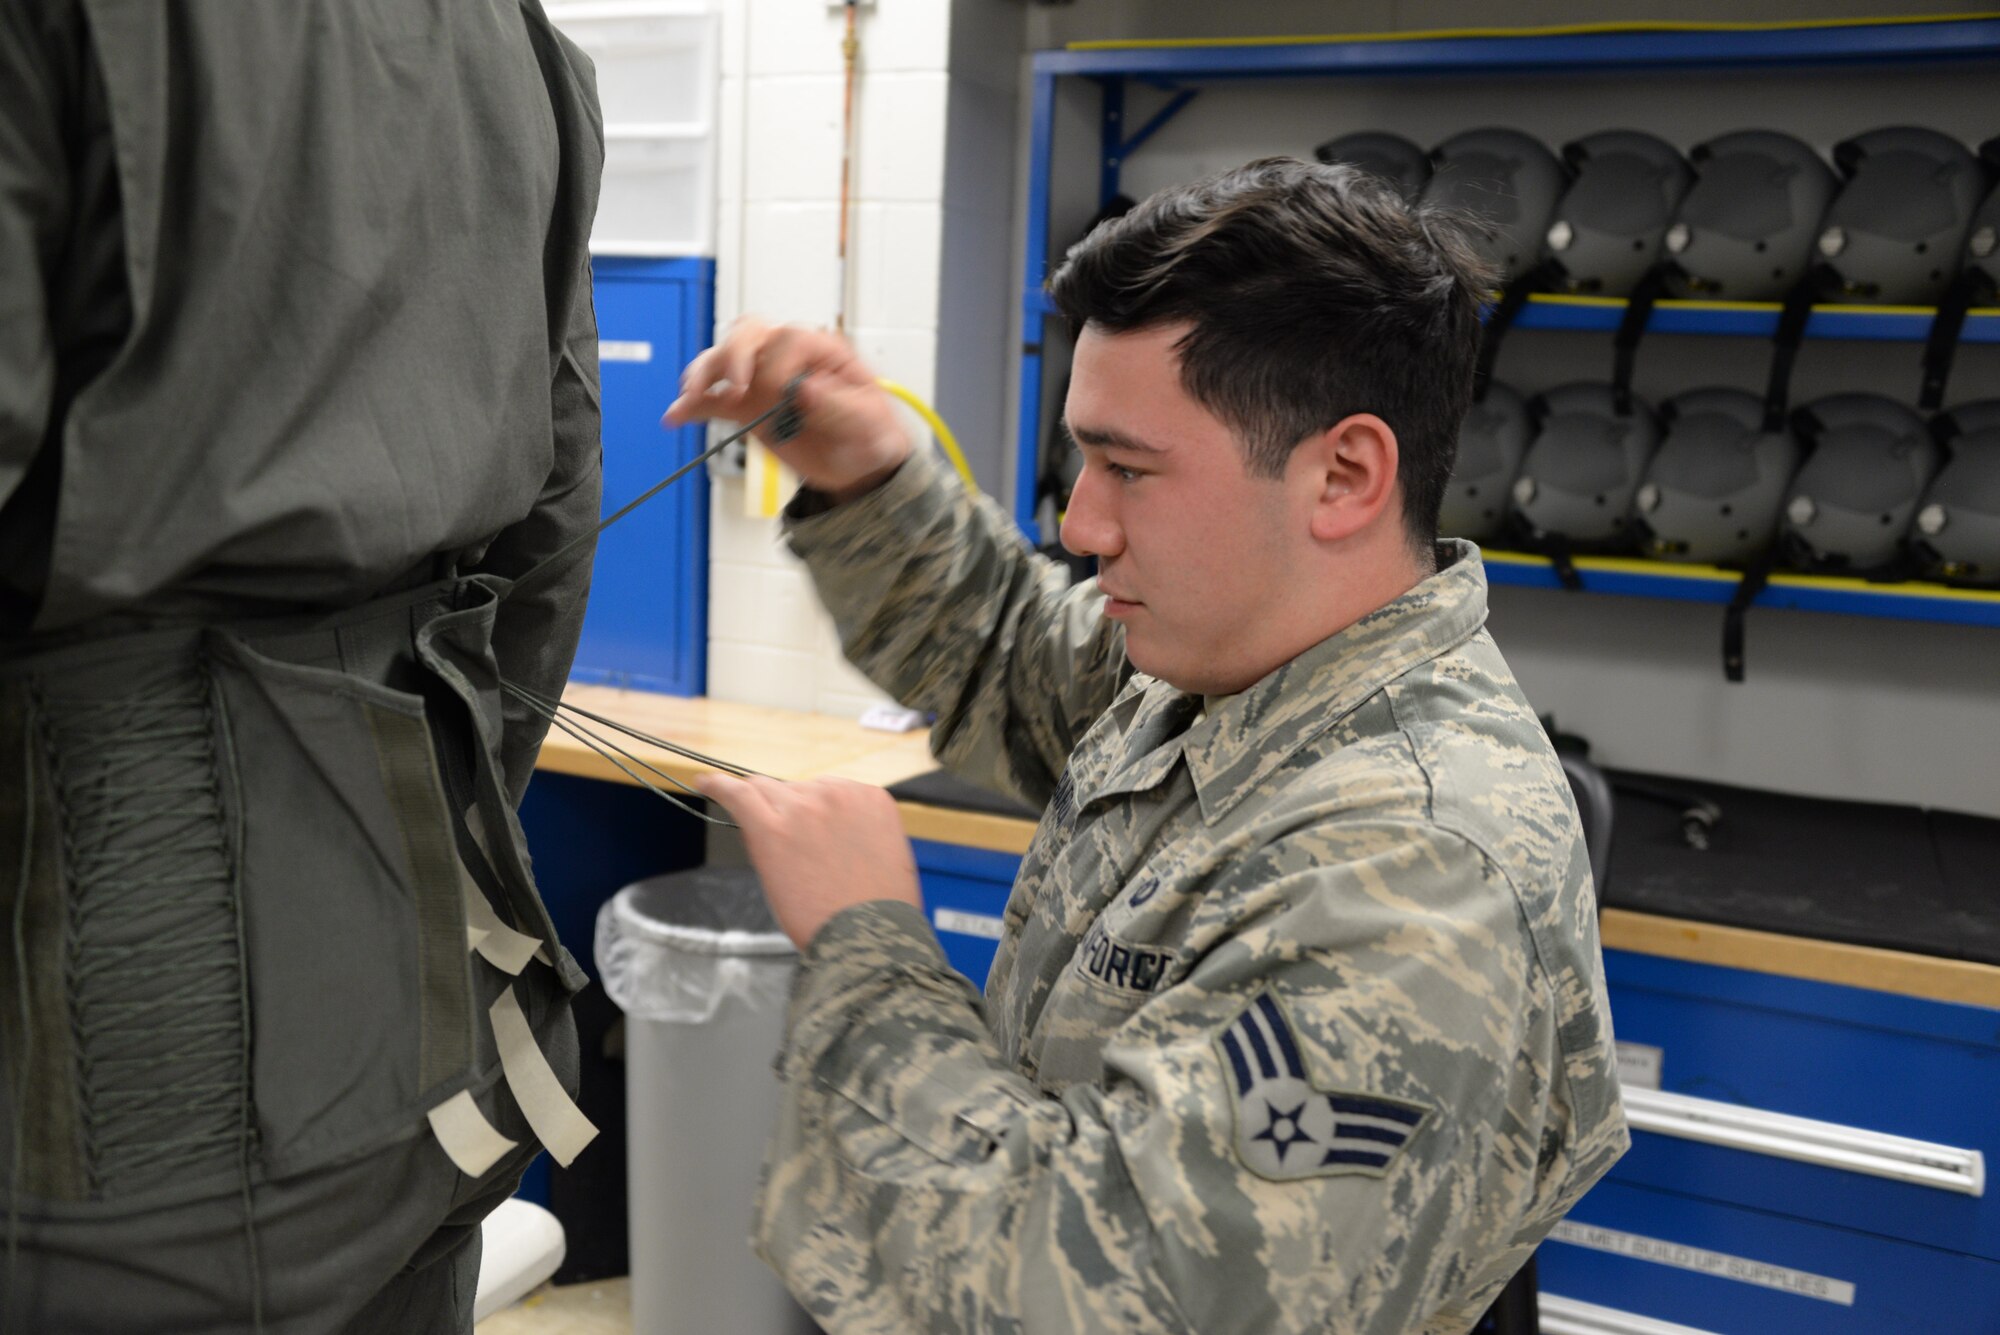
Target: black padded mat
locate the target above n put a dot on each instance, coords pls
(941, 789)
(1864, 873)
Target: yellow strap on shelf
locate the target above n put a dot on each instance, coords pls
(1546, 30)
(1639, 565)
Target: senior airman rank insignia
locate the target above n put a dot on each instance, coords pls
(1285, 1128)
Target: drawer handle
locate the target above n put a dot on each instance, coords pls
(1568, 1316)
(1828, 1144)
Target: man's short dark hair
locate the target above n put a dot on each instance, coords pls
(1313, 292)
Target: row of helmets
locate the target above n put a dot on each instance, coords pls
(1853, 483)
(1743, 217)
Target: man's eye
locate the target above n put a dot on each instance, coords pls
(1123, 473)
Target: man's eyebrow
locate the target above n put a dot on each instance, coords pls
(1107, 438)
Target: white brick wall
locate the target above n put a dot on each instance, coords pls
(779, 184)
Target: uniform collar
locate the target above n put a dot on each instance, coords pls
(1246, 736)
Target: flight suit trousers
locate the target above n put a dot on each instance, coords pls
(241, 875)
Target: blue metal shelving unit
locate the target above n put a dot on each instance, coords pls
(1711, 584)
(1174, 66)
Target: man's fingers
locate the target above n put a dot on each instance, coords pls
(750, 807)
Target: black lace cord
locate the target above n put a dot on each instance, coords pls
(787, 421)
(555, 711)
(788, 425)
(153, 911)
(543, 704)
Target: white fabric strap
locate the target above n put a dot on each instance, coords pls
(466, 1136)
(557, 1122)
(504, 948)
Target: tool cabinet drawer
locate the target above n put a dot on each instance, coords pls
(1716, 1267)
(1831, 1104)
(965, 892)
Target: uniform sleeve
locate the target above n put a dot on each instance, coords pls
(535, 637)
(1368, 1156)
(941, 603)
(33, 222)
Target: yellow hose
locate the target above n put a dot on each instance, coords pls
(946, 441)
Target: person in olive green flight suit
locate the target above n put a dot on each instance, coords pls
(1298, 1019)
(298, 373)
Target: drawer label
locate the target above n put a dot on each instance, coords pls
(968, 924)
(624, 350)
(1640, 1065)
(1721, 1264)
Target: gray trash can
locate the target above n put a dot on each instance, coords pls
(702, 973)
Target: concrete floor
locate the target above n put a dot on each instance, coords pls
(603, 1308)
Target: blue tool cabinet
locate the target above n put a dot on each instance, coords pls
(965, 890)
(647, 623)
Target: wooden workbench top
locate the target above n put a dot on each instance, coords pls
(779, 742)
(790, 745)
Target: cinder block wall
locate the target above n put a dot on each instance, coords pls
(776, 255)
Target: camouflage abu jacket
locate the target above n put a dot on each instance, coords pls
(1298, 1022)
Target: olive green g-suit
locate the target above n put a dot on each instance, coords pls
(297, 373)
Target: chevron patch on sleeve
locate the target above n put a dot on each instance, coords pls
(1285, 1128)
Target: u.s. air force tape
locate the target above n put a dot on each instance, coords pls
(557, 1122)
(466, 1136)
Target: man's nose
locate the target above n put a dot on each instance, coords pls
(1089, 527)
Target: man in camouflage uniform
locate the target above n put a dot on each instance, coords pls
(1298, 1021)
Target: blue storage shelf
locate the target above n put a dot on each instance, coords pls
(1710, 584)
(1608, 46)
(1176, 66)
(1752, 319)
(1742, 319)
(647, 622)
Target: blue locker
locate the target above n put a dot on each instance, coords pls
(965, 891)
(647, 623)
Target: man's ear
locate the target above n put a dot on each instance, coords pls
(1352, 468)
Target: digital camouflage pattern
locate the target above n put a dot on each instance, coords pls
(1376, 838)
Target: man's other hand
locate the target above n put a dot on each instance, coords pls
(851, 439)
(819, 846)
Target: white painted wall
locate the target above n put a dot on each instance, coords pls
(779, 187)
